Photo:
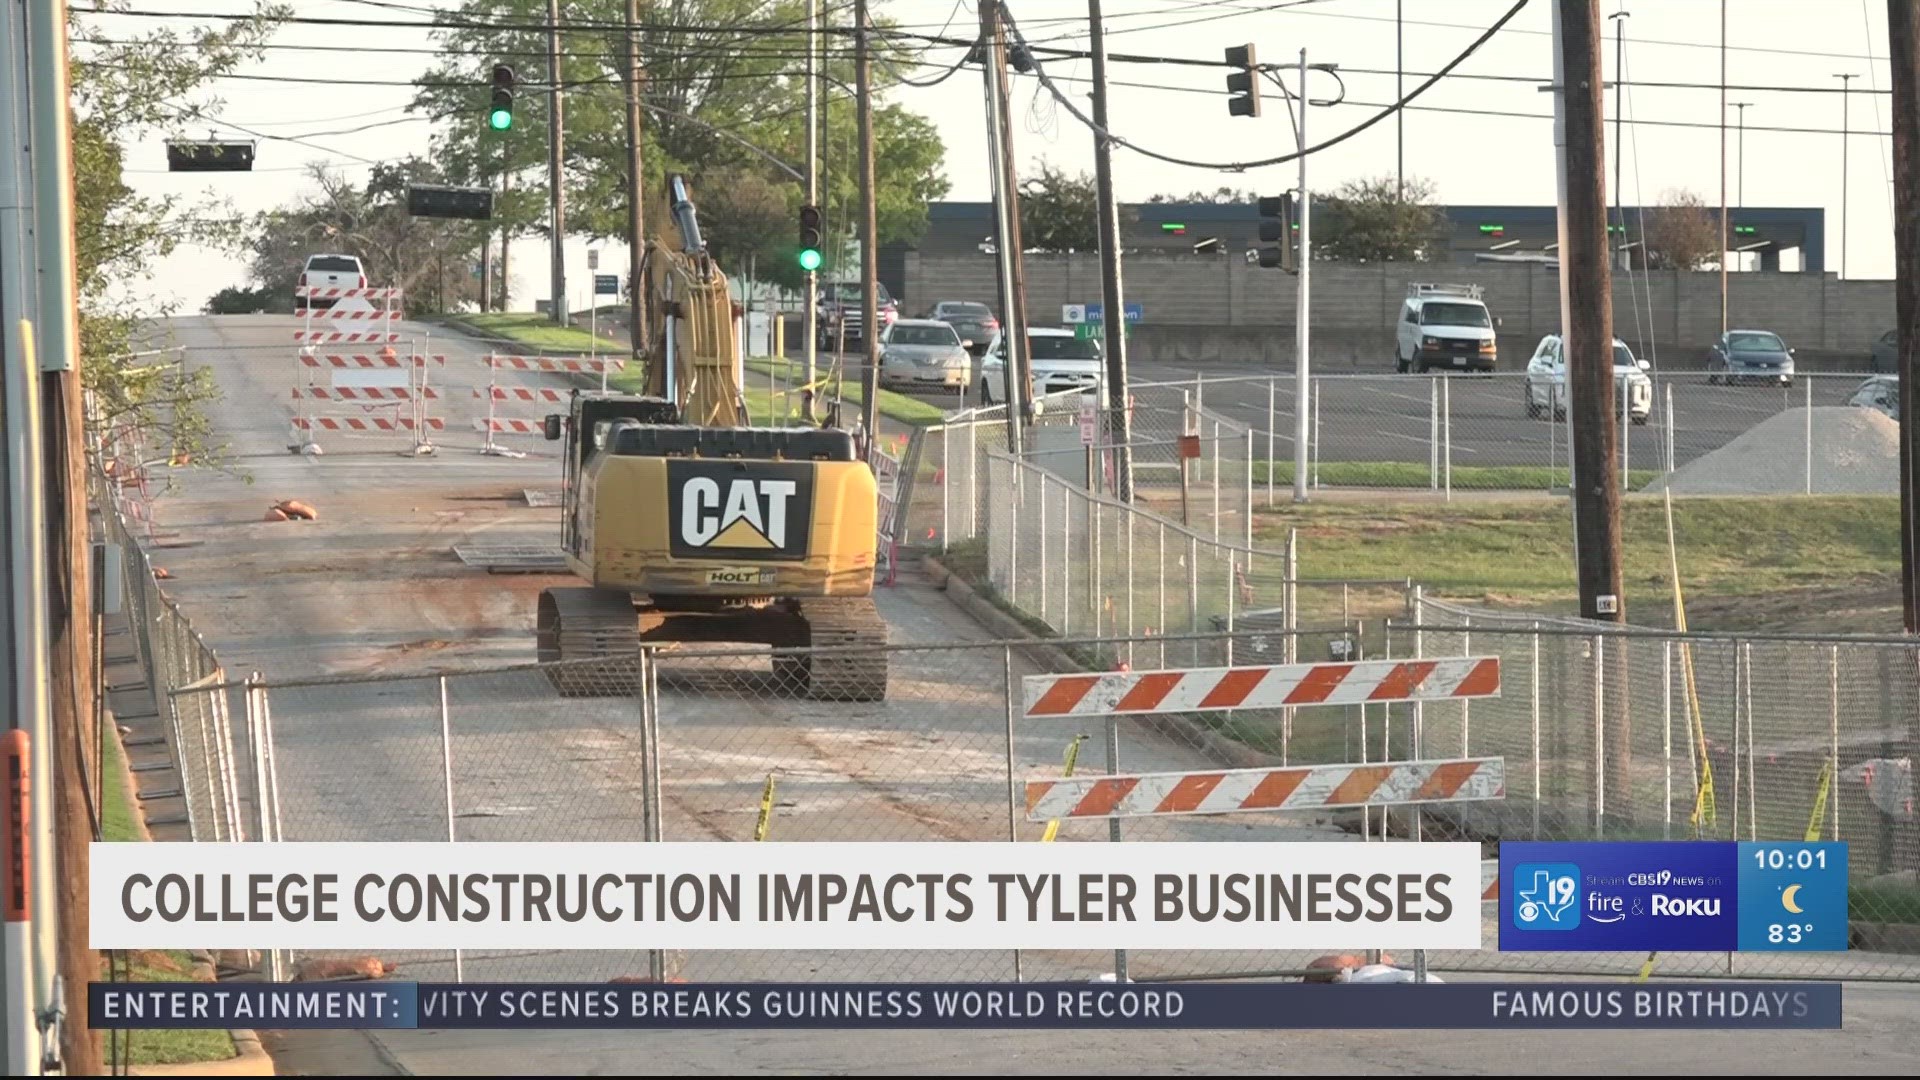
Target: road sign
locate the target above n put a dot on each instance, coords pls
(1098, 330)
(593, 258)
(1073, 314)
(1097, 312)
(1088, 424)
(606, 285)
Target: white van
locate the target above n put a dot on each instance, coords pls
(1447, 327)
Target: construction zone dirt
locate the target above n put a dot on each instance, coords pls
(1855, 452)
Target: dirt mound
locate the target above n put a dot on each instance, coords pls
(1855, 452)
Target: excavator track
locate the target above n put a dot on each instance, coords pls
(852, 623)
(583, 624)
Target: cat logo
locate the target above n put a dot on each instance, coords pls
(764, 509)
(741, 575)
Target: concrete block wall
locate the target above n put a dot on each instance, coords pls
(1220, 310)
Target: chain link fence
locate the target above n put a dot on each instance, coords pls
(1639, 734)
(1821, 434)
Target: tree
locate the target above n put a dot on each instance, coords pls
(430, 259)
(745, 220)
(710, 94)
(1380, 219)
(1683, 234)
(1220, 196)
(1061, 213)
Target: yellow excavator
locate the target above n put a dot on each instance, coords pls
(690, 525)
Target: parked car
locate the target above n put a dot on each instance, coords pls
(1061, 361)
(1546, 386)
(1445, 326)
(923, 352)
(1880, 393)
(328, 272)
(973, 322)
(1750, 356)
(1885, 352)
(840, 312)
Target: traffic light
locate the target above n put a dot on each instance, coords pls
(442, 201)
(1244, 84)
(810, 258)
(1276, 227)
(500, 113)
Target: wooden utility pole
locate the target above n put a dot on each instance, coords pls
(869, 229)
(636, 185)
(1112, 296)
(1003, 211)
(1903, 41)
(1588, 286)
(1014, 324)
(556, 172)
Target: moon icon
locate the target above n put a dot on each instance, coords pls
(1786, 898)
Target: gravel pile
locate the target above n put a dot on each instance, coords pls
(1855, 452)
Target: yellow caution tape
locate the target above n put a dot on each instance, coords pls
(1073, 755)
(761, 826)
(1820, 802)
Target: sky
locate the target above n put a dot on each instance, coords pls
(1779, 59)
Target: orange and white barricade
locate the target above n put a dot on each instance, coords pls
(498, 397)
(346, 355)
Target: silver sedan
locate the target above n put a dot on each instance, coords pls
(923, 353)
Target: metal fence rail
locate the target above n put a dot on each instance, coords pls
(1480, 432)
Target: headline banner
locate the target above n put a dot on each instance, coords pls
(879, 1006)
(786, 896)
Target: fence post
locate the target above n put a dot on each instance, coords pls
(1248, 531)
(1215, 442)
(1066, 559)
(1419, 708)
(1097, 593)
(1807, 381)
(973, 481)
(1446, 427)
(1013, 797)
(1290, 626)
(1599, 737)
(446, 776)
(1160, 563)
(1670, 426)
(1666, 732)
(650, 781)
(1753, 756)
(1193, 595)
(946, 488)
(1128, 517)
(1534, 724)
(1433, 434)
(1044, 590)
(1833, 737)
(1271, 420)
(1313, 447)
(1015, 492)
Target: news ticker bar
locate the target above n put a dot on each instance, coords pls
(894, 1006)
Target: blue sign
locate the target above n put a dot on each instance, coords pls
(909, 1006)
(1706, 896)
(1097, 312)
(1617, 897)
(606, 285)
(1793, 897)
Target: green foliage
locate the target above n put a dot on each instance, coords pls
(1220, 196)
(1380, 220)
(236, 300)
(431, 258)
(1061, 213)
(711, 95)
(151, 80)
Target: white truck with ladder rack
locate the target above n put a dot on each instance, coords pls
(1446, 327)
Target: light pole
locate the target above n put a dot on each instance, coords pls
(1740, 158)
(1846, 87)
(1619, 113)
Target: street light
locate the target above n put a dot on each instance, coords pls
(1846, 86)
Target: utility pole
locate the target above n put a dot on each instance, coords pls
(810, 284)
(869, 228)
(1619, 19)
(69, 552)
(1846, 125)
(556, 188)
(1586, 285)
(1302, 359)
(1015, 324)
(506, 242)
(637, 328)
(1002, 233)
(1399, 94)
(1722, 225)
(30, 960)
(1903, 45)
(1112, 298)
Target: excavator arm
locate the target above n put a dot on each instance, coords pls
(694, 351)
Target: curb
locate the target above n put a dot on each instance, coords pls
(1006, 627)
(249, 1059)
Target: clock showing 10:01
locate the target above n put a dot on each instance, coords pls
(1793, 897)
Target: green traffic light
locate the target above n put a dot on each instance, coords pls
(500, 119)
(809, 259)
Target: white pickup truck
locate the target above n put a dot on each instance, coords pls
(328, 272)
